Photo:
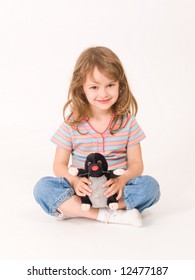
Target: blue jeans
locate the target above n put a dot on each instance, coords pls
(140, 193)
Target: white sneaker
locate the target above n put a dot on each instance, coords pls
(126, 217)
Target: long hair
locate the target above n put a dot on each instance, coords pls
(110, 66)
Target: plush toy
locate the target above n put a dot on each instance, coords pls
(96, 170)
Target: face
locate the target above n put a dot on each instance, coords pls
(101, 92)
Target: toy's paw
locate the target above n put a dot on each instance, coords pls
(85, 207)
(113, 206)
(73, 171)
(119, 171)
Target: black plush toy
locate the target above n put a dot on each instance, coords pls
(96, 170)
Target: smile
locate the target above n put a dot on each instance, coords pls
(104, 101)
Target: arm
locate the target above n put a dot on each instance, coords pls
(60, 168)
(134, 163)
(135, 168)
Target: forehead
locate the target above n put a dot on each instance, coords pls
(96, 76)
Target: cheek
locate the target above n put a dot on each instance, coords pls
(116, 94)
(89, 96)
(116, 91)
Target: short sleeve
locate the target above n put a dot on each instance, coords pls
(136, 134)
(62, 137)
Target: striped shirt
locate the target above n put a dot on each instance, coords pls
(113, 147)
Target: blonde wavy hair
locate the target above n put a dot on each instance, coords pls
(110, 66)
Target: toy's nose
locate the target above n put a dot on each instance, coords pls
(95, 168)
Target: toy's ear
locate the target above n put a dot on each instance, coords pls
(77, 172)
(73, 171)
(119, 171)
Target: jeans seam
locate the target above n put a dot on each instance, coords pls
(63, 197)
(128, 202)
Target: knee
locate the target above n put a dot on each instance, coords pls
(40, 188)
(153, 188)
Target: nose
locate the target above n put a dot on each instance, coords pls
(103, 93)
(95, 168)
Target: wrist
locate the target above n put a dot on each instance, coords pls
(75, 182)
(125, 177)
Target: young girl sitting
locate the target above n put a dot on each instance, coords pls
(101, 119)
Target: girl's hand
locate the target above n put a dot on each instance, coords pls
(81, 187)
(116, 185)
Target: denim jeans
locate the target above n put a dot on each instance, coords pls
(140, 193)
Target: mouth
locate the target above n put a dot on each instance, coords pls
(95, 171)
(104, 101)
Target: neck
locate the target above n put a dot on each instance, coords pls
(99, 115)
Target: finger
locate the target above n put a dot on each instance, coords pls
(107, 191)
(108, 183)
(86, 180)
(82, 192)
(86, 190)
(79, 193)
(110, 191)
(119, 195)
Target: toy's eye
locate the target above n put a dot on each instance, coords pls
(99, 161)
(89, 163)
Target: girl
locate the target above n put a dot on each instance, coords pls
(101, 119)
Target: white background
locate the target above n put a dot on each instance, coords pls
(40, 42)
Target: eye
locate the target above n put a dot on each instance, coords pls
(99, 161)
(89, 163)
(93, 87)
(111, 85)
